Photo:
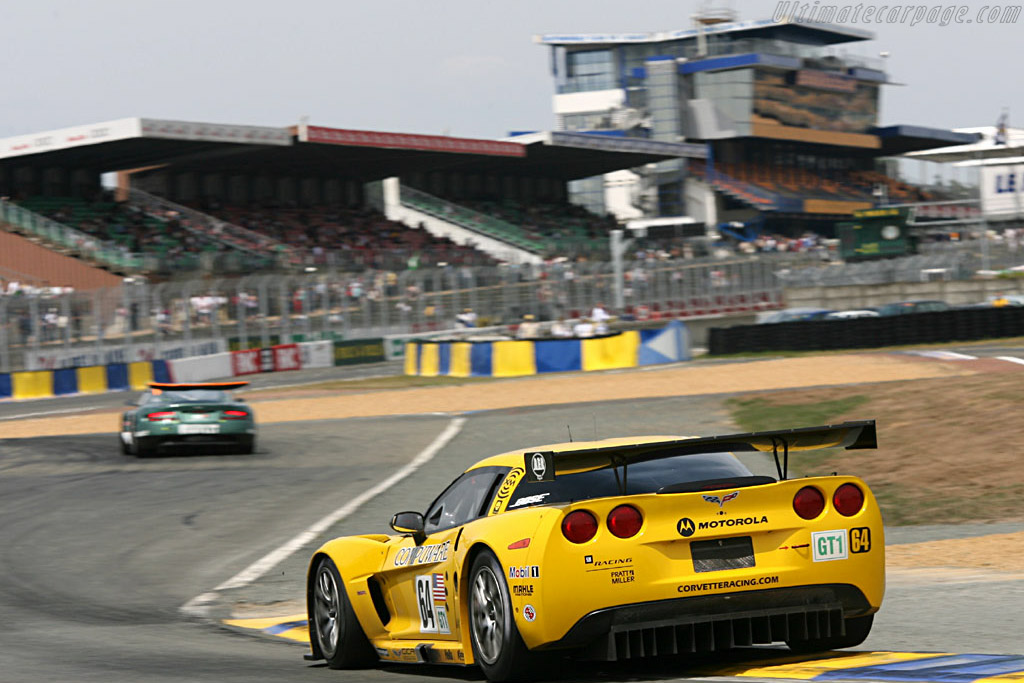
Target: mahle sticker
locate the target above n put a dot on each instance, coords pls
(829, 545)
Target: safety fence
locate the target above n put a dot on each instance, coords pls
(859, 333)
(144, 321)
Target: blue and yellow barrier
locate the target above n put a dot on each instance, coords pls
(518, 358)
(91, 380)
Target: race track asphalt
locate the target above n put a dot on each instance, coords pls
(100, 551)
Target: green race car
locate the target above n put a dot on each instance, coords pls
(188, 415)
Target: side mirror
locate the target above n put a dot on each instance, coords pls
(409, 523)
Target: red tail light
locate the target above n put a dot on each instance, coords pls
(579, 526)
(235, 414)
(848, 500)
(808, 502)
(625, 521)
(160, 415)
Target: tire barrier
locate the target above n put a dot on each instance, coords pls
(95, 379)
(136, 376)
(518, 358)
(968, 324)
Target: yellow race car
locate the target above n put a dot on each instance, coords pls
(608, 550)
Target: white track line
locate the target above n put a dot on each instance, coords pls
(44, 413)
(197, 605)
(944, 355)
(1012, 359)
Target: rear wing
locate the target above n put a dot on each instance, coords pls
(545, 466)
(190, 386)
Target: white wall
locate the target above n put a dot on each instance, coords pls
(594, 100)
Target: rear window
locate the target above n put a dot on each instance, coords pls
(191, 396)
(644, 477)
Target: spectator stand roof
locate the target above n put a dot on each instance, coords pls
(901, 139)
(796, 31)
(983, 149)
(305, 150)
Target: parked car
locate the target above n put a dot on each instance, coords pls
(788, 315)
(854, 313)
(917, 306)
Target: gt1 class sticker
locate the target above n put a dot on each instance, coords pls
(721, 500)
(860, 540)
(431, 595)
(507, 486)
(521, 591)
(529, 500)
(529, 613)
(424, 554)
(528, 572)
(829, 545)
(540, 466)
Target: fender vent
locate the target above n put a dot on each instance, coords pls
(377, 596)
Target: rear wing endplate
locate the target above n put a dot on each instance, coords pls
(541, 466)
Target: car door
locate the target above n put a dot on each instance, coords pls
(419, 579)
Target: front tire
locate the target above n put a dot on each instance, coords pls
(857, 630)
(334, 631)
(497, 646)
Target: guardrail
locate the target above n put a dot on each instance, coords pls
(863, 333)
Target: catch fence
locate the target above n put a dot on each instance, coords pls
(140, 320)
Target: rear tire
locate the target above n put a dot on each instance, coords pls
(142, 450)
(857, 630)
(334, 630)
(246, 446)
(497, 646)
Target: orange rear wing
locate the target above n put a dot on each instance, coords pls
(191, 386)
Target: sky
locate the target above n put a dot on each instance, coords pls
(452, 67)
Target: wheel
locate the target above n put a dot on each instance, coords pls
(246, 445)
(142, 450)
(334, 631)
(497, 646)
(857, 630)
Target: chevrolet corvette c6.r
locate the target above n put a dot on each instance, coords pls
(200, 415)
(608, 550)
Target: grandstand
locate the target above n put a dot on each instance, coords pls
(789, 120)
(232, 198)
